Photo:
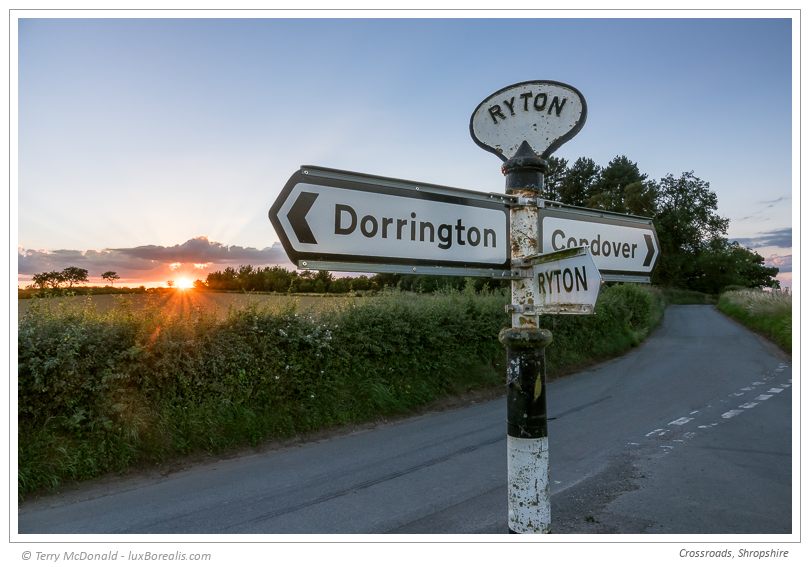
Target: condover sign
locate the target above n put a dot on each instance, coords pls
(545, 114)
(624, 247)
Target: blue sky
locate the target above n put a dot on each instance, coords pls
(152, 142)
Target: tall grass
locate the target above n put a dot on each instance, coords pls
(101, 391)
(769, 313)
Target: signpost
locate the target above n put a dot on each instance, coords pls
(341, 220)
(555, 255)
(523, 124)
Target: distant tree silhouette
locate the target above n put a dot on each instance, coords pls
(48, 279)
(111, 277)
(73, 275)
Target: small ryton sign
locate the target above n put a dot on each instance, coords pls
(544, 114)
(566, 282)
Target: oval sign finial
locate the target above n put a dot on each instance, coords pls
(544, 114)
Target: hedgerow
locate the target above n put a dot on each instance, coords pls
(99, 392)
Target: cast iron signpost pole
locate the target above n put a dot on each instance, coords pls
(525, 342)
(523, 124)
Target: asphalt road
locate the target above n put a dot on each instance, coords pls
(689, 433)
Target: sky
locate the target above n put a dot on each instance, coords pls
(155, 147)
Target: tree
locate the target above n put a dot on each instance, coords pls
(110, 277)
(640, 198)
(170, 283)
(722, 264)
(687, 224)
(554, 177)
(577, 185)
(47, 279)
(686, 213)
(609, 189)
(73, 275)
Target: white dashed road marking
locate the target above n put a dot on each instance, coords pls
(689, 434)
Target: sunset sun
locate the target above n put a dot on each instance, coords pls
(184, 283)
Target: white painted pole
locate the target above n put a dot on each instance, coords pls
(527, 431)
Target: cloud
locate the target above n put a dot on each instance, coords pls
(150, 262)
(782, 238)
(784, 263)
(758, 215)
(200, 250)
(775, 201)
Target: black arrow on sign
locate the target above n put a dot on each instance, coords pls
(650, 249)
(297, 217)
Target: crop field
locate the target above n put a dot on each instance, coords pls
(187, 302)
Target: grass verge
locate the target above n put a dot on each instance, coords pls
(768, 313)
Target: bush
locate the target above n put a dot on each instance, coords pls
(624, 315)
(99, 392)
(676, 296)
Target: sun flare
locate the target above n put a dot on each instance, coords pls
(184, 283)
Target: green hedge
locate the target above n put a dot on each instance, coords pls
(624, 316)
(100, 392)
(675, 296)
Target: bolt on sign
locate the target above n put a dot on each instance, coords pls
(565, 282)
(624, 247)
(333, 219)
(544, 114)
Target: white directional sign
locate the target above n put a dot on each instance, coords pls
(326, 215)
(565, 282)
(624, 247)
(544, 114)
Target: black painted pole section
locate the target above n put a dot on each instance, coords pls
(527, 430)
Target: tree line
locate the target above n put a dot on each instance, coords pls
(70, 276)
(281, 280)
(695, 251)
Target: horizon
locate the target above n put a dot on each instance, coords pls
(155, 147)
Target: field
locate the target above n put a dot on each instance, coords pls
(186, 302)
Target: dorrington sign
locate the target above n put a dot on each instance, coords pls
(340, 216)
